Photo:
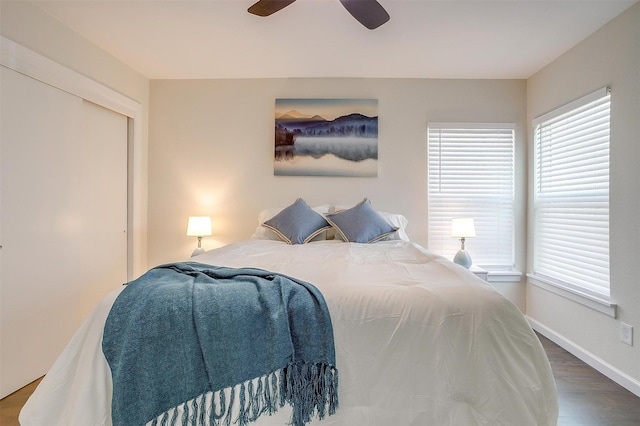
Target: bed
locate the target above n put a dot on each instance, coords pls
(419, 340)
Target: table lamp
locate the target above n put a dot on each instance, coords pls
(199, 226)
(463, 228)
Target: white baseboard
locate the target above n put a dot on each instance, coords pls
(620, 377)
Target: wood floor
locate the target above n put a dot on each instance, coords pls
(11, 405)
(586, 397)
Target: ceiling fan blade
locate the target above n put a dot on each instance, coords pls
(369, 13)
(268, 7)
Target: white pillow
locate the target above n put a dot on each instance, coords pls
(398, 221)
(262, 233)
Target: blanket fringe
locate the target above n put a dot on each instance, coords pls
(308, 388)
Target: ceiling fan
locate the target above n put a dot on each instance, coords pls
(369, 13)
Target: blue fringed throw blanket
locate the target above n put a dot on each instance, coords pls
(220, 338)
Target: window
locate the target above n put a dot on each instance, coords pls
(471, 175)
(571, 203)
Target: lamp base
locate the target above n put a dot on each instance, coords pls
(462, 258)
(197, 251)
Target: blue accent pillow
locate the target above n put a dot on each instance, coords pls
(297, 224)
(360, 224)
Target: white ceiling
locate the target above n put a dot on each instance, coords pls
(170, 39)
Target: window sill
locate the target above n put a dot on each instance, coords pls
(599, 304)
(499, 275)
(504, 276)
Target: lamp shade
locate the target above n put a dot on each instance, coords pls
(463, 227)
(199, 226)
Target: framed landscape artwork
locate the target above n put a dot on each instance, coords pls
(326, 137)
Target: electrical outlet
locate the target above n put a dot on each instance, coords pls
(626, 333)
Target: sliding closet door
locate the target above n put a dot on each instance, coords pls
(63, 219)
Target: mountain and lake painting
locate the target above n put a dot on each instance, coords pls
(326, 137)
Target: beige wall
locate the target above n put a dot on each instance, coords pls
(34, 29)
(211, 152)
(610, 57)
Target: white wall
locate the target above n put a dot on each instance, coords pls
(211, 152)
(610, 57)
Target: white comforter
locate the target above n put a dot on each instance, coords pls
(419, 341)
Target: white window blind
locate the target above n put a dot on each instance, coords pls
(571, 211)
(471, 175)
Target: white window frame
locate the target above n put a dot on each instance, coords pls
(571, 209)
(493, 248)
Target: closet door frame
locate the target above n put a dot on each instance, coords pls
(25, 61)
